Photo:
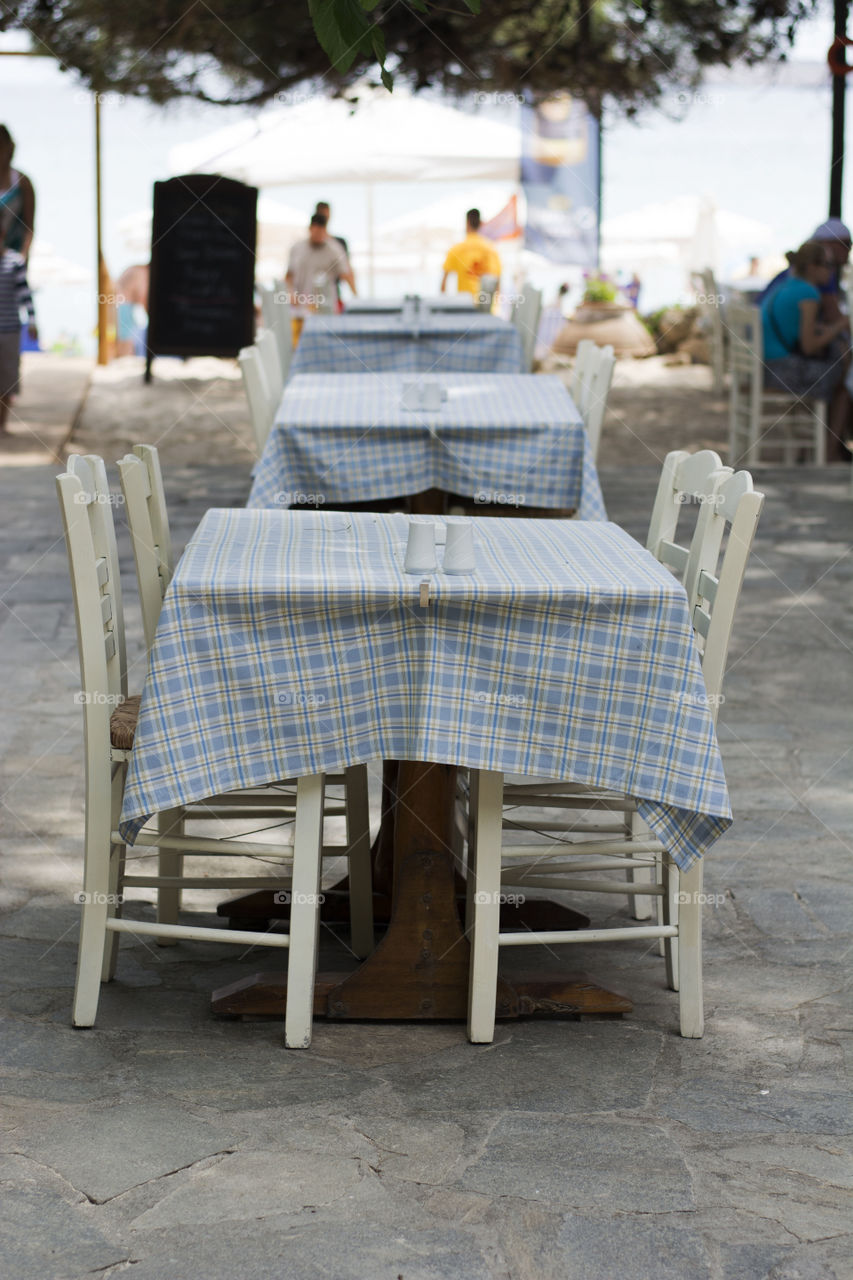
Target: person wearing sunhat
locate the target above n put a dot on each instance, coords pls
(835, 235)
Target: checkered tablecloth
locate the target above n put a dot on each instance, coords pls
(512, 439)
(463, 342)
(294, 642)
(442, 302)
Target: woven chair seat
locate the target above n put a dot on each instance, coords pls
(123, 723)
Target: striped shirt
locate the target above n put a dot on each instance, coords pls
(14, 292)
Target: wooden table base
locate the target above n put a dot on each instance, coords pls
(419, 970)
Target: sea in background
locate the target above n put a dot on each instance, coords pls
(756, 142)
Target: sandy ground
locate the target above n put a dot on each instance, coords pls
(195, 411)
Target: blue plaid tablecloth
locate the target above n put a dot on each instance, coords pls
(294, 642)
(463, 342)
(513, 439)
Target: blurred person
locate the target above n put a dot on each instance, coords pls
(131, 291)
(15, 296)
(835, 236)
(17, 199)
(803, 354)
(313, 270)
(325, 211)
(471, 259)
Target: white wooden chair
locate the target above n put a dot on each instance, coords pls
(267, 345)
(109, 724)
(708, 302)
(148, 523)
(525, 317)
(276, 315)
(736, 508)
(598, 389)
(761, 420)
(584, 351)
(262, 402)
(687, 483)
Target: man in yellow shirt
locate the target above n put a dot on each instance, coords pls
(471, 259)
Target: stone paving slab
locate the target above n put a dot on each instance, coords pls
(166, 1143)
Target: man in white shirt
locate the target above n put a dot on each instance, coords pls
(314, 267)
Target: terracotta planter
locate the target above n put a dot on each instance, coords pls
(605, 322)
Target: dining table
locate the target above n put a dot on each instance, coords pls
(439, 302)
(460, 341)
(509, 440)
(296, 642)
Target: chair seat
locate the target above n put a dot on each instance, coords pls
(123, 723)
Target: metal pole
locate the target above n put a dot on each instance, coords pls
(103, 278)
(371, 240)
(839, 86)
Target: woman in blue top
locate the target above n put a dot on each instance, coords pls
(802, 356)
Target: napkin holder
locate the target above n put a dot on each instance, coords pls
(420, 397)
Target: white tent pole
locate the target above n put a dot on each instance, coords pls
(371, 236)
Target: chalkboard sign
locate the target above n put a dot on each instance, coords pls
(200, 300)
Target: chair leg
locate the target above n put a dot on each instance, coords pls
(483, 980)
(116, 874)
(640, 904)
(358, 856)
(304, 911)
(690, 952)
(169, 823)
(670, 905)
(93, 920)
(471, 870)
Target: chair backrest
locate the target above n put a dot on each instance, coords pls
(98, 502)
(282, 327)
(257, 394)
(714, 599)
(688, 483)
(268, 315)
(525, 317)
(709, 302)
(267, 345)
(583, 354)
(97, 605)
(600, 379)
(746, 345)
(148, 521)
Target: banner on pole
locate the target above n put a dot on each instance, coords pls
(560, 178)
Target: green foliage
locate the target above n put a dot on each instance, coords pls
(599, 288)
(630, 52)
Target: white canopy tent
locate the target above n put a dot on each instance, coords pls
(387, 138)
(689, 231)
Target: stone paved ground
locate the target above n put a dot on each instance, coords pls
(168, 1145)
